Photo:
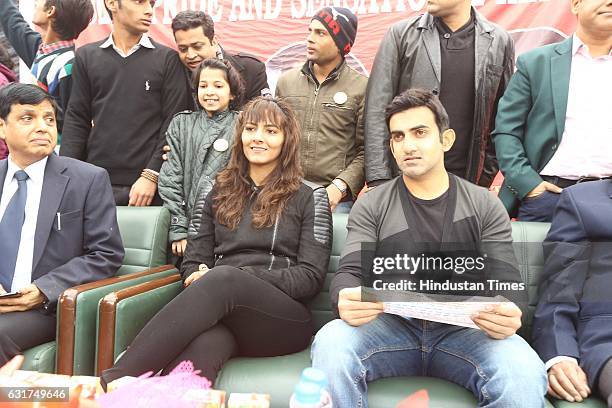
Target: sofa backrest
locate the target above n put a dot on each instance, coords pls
(527, 237)
(321, 304)
(144, 231)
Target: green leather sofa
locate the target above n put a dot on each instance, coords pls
(144, 231)
(278, 375)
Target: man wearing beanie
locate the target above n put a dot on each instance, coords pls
(457, 54)
(328, 97)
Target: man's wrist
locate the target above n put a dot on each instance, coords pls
(150, 175)
(558, 359)
(340, 185)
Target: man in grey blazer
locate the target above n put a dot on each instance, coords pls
(58, 221)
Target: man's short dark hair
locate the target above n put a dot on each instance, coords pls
(416, 98)
(71, 17)
(190, 19)
(22, 94)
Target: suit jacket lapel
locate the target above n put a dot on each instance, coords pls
(560, 69)
(431, 40)
(483, 41)
(3, 170)
(54, 184)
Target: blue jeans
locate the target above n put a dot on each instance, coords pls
(500, 373)
(539, 208)
(344, 207)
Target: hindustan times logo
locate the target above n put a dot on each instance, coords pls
(412, 264)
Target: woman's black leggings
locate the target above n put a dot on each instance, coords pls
(227, 312)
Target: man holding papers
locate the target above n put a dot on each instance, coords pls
(424, 213)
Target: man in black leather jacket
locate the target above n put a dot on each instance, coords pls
(466, 60)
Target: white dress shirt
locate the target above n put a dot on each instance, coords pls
(586, 145)
(145, 41)
(25, 254)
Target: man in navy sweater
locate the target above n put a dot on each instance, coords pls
(125, 91)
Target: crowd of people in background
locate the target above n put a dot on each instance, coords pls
(251, 181)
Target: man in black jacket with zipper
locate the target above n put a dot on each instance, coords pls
(460, 56)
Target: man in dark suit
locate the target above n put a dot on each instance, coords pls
(194, 33)
(58, 223)
(573, 320)
(553, 124)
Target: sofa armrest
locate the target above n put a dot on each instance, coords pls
(124, 313)
(77, 316)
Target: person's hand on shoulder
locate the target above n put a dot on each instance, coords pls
(166, 150)
(355, 312)
(500, 321)
(567, 380)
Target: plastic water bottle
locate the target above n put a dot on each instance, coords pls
(311, 392)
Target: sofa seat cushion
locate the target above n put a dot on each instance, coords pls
(40, 358)
(588, 403)
(277, 376)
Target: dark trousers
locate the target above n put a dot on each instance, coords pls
(605, 383)
(225, 313)
(539, 208)
(20, 331)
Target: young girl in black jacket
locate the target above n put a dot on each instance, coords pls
(262, 250)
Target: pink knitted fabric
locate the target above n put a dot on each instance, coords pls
(158, 392)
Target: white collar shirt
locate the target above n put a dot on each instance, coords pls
(25, 254)
(585, 149)
(144, 41)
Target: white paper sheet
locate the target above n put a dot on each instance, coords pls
(456, 313)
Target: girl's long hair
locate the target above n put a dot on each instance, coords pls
(233, 187)
(235, 81)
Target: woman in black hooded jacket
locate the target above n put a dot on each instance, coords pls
(261, 251)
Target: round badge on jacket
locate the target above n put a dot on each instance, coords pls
(340, 97)
(221, 145)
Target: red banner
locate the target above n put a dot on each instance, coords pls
(275, 30)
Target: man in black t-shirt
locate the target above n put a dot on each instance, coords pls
(426, 205)
(466, 60)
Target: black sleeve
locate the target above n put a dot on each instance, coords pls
(491, 166)
(65, 88)
(258, 80)
(176, 97)
(23, 39)
(201, 248)
(305, 279)
(77, 120)
(361, 228)
(382, 87)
